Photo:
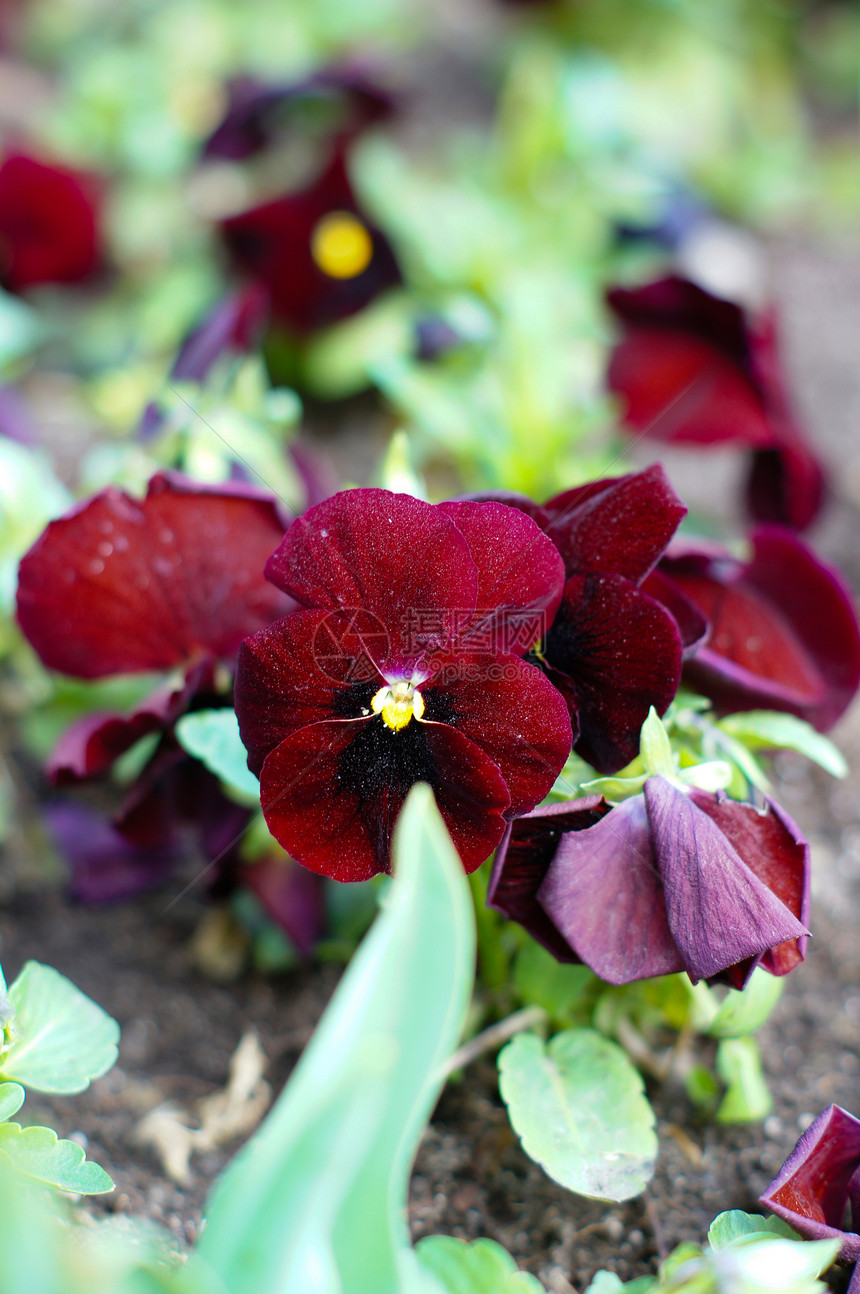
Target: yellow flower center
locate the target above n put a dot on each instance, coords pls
(398, 703)
(341, 245)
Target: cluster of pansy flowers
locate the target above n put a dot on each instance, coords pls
(379, 640)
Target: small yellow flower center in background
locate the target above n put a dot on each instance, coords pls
(398, 703)
(341, 245)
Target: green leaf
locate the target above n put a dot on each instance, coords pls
(39, 1154)
(541, 980)
(482, 1267)
(11, 1099)
(580, 1110)
(770, 730)
(318, 1197)
(656, 748)
(63, 1039)
(734, 1225)
(747, 1098)
(772, 1264)
(212, 736)
(744, 1011)
(608, 1283)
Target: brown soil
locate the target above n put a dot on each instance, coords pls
(472, 1179)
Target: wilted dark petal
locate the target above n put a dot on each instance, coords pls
(92, 744)
(120, 586)
(622, 651)
(273, 244)
(401, 561)
(811, 1190)
(513, 713)
(331, 793)
(520, 576)
(49, 224)
(719, 912)
(104, 866)
(308, 667)
(678, 388)
(786, 484)
(603, 893)
(615, 527)
(692, 624)
(522, 861)
(235, 324)
(784, 634)
(678, 304)
(292, 896)
(772, 847)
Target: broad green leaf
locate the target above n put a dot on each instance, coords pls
(773, 1264)
(744, 1011)
(317, 1200)
(63, 1039)
(482, 1267)
(541, 980)
(734, 1225)
(39, 1154)
(212, 736)
(11, 1099)
(771, 730)
(609, 1283)
(579, 1107)
(747, 1097)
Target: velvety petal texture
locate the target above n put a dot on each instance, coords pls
(664, 881)
(49, 224)
(818, 1183)
(393, 674)
(784, 633)
(315, 272)
(121, 585)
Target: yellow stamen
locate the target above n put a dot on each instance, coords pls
(341, 245)
(398, 704)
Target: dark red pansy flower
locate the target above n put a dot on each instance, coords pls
(694, 368)
(670, 880)
(340, 101)
(817, 1190)
(613, 650)
(170, 582)
(404, 665)
(784, 633)
(49, 224)
(314, 251)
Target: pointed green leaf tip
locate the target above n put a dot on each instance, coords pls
(212, 736)
(62, 1039)
(656, 748)
(317, 1200)
(39, 1154)
(11, 1100)
(579, 1107)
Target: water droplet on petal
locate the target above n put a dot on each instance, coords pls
(105, 526)
(96, 567)
(105, 549)
(121, 543)
(166, 535)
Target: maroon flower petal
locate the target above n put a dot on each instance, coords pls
(522, 861)
(774, 849)
(331, 793)
(513, 713)
(292, 896)
(603, 893)
(513, 500)
(692, 624)
(91, 745)
(615, 527)
(680, 389)
(121, 586)
(49, 224)
(787, 485)
(308, 667)
(274, 245)
(520, 576)
(784, 633)
(678, 304)
(622, 651)
(402, 562)
(811, 1190)
(719, 912)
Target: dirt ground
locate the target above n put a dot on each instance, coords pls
(471, 1178)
